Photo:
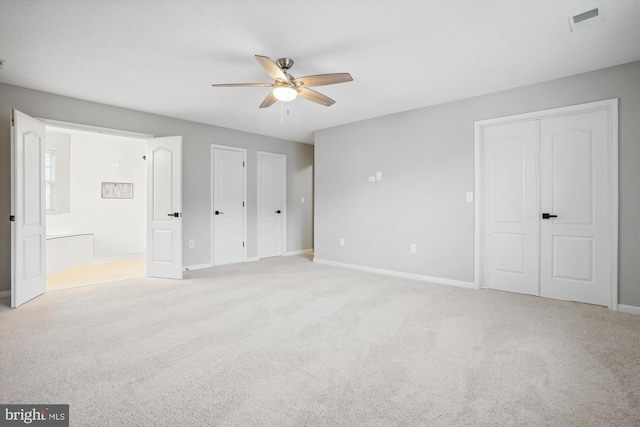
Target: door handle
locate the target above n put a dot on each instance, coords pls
(548, 216)
(218, 213)
(278, 211)
(175, 214)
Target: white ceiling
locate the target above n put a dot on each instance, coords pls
(162, 56)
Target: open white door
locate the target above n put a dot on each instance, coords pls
(28, 232)
(164, 207)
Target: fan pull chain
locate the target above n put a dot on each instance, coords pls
(282, 112)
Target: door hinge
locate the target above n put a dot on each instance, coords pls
(12, 218)
(243, 244)
(243, 204)
(13, 120)
(144, 157)
(242, 164)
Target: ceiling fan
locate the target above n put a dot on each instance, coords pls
(286, 87)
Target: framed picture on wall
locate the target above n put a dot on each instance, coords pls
(117, 190)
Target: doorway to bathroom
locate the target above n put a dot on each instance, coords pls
(95, 196)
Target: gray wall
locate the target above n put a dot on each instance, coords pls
(426, 160)
(197, 140)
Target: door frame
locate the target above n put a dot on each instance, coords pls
(101, 130)
(211, 187)
(79, 127)
(609, 105)
(283, 200)
(73, 126)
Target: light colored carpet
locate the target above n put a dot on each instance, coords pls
(285, 342)
(91, 274)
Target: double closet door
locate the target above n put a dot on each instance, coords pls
(547, 206)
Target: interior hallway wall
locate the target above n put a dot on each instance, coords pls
(196, 195)
(426, 157)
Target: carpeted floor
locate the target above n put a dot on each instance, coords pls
(285, 342)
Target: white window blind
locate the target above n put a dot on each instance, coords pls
(50, 180)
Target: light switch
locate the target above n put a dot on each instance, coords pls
(469, 196)
(342, 241)
(301, 199)
(379, 176)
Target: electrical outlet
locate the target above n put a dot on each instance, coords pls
(301, 199)
(379, 176)
(413, 248)
(192, 244)
(342, 241)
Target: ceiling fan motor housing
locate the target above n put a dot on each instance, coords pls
(285, 63)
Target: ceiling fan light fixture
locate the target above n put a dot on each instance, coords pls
(285, 93)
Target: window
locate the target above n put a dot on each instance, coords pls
(50, 180)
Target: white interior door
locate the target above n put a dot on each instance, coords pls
(549, 206)
(271, 204)
(164, 207)
(28, 232)
(575, 187)
(511, 221)
(228, 206)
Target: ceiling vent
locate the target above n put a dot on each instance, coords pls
(585, 19)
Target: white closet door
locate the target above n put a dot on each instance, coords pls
(511, 223)
(548, 211)
(229, 206)
(272, 171)
(575, 187)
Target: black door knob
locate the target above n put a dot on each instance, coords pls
(547, 216)
(219, 213)
(278, 211)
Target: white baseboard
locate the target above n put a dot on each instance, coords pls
(302, 252)
(629, 309)
(197, 267)
(393, 273)
(252, 259)
(5, 294)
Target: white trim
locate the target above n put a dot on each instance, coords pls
(244, 196)
(94, 129)
(5, 294)
(629, 309)
(613, 202)
(302, 252)
(611, 106)
(283, 196)
(393, 273)
(197, 267)
(478, 196)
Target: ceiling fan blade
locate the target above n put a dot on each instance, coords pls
(272, 68)
(325, 79)
(244, 85)
(316, 97)
(268, 101)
